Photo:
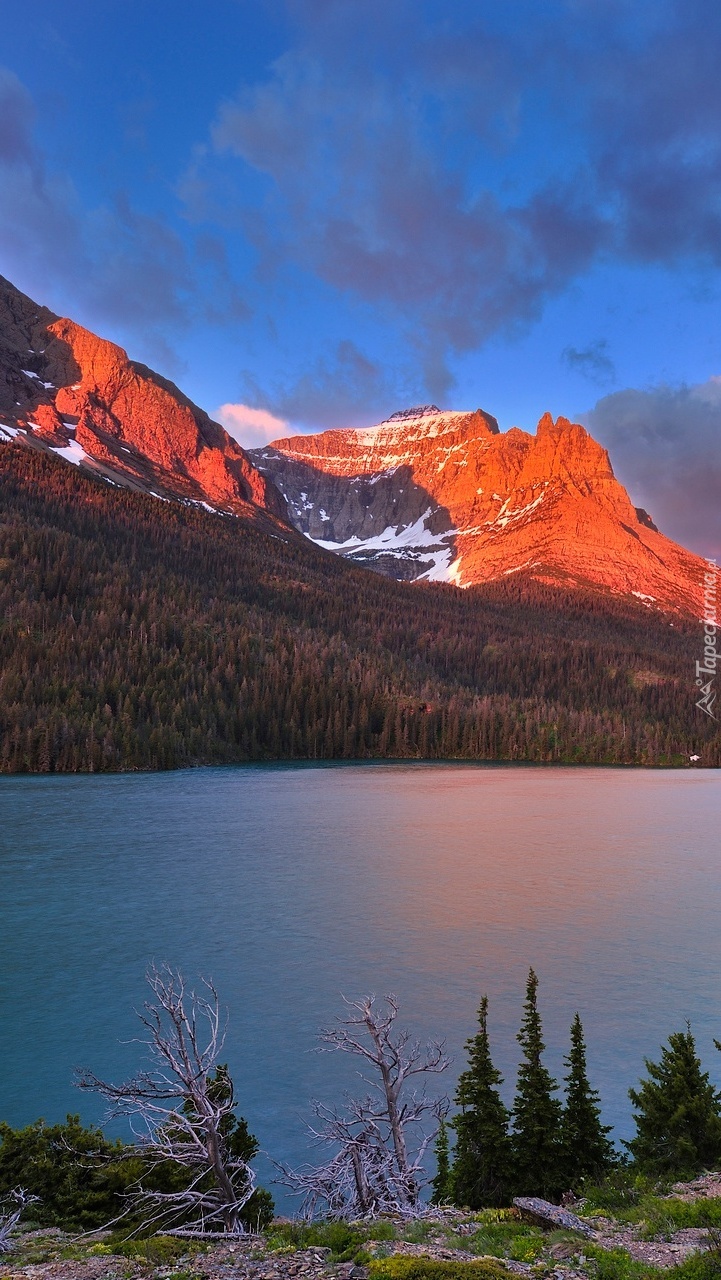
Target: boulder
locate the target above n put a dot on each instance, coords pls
(544, 1214)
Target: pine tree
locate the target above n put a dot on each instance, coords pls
(586, 1150)
(678, 1112)
(481, 1171)
(442, 1191)
(536, 1113)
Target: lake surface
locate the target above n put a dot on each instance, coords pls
(292, 885)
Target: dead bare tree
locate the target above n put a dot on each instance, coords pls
(182, 1110)
(11, 1211)
(380, 1140)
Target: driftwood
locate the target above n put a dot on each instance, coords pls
(544, 1214)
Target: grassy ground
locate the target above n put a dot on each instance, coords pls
(452, 1245)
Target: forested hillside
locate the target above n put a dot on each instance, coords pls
(136, 633)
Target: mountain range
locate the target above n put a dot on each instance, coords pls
(167, 599)
(427, 495)
(445, 497)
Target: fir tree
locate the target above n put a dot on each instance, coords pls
(586, 1150)
(441, 1184)
(482, 1166)
(536, 1113)
(678, 1112)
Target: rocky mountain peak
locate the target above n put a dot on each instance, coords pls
(420, 411)
(64, 389)
(444, 496)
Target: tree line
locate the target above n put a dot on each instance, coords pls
(139, 634)
(543, 1147)
(190, 1166)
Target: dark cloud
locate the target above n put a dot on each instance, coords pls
(360, 188)
(322, 396)
(666, 448)
(593, 362)
(118, 265)
(654, 137)
(457, 173)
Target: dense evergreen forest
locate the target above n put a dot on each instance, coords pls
(141, 634)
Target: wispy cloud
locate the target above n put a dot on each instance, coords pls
(593, 362)
(251, 427)
(361, 193)
(342, 389)
(455, 175)
(120, 266)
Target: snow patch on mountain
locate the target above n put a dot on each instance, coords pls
(414, 543)
(394, 431)
(72, 452)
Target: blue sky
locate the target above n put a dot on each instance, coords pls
(325, 210)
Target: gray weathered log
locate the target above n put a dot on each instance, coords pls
(544, 1214)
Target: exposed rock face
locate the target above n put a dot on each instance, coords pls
(446, 497)
(64, 388)
(426, 494)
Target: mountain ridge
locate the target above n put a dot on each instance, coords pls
(426, 494)
(445, 496)
(66, 389)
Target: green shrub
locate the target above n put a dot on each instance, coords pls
(623, 1189)
(405, 1268)
(382, 1231)
(343, 1240)
(699, 1266)
(675, 1215)
(161, 1251)
(616, 1264)
(496, 1215)
(418, 1232)
(76, 1172)
(257, 1214)
(511, 1239)
(81, 1178)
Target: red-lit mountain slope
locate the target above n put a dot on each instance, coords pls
(427, 494)
(62, 388)
(445, 497)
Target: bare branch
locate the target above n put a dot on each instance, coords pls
(379, 1141)
(182, 1110)
(10, 1213)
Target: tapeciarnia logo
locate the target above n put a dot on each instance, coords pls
(706, 670)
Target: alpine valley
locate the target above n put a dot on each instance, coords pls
(169, 599)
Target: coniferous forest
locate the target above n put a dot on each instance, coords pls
(142, 634)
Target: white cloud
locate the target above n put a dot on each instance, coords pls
(252, 428)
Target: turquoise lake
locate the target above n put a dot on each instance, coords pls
(291, 885)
